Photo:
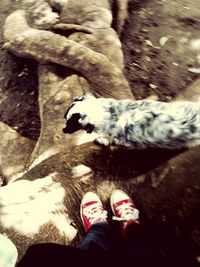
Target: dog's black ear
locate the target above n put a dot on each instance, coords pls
(73, 125)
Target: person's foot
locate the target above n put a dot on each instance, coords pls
(124, 209)
(92, 210)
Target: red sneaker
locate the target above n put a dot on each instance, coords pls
(124, 209)
(92, 210)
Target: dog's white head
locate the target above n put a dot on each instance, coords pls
(80, 114)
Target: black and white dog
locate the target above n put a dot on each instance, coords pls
(136, 124)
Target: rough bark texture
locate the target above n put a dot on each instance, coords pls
(46, 46)
(93, 58)
(14, 152)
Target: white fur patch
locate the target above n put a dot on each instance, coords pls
(25, 206)
(94, 110)
(104, 140)
(85, 138)
(122, 121)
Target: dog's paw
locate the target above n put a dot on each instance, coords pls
(103, 140)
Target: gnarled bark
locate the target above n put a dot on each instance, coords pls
(57, 86)
(46, 46)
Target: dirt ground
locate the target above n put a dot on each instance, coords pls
(161, 50)
(152, 63)
(18, 86)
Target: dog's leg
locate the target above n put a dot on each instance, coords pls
(104, 140)
(107, 140)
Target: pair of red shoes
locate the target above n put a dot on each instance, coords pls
(122, 206)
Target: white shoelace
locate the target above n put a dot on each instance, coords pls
(94, 212)
(127, 213)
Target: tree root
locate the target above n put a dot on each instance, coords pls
(104, 77)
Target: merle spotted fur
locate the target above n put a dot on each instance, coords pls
(136, 124)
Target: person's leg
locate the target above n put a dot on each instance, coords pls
(136, 240)
(94, 219)
(98, 234)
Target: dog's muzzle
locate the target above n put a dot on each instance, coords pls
(72, 125)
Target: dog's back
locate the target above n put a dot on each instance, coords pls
(165, 125)
(138, 124)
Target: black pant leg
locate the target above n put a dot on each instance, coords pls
(138, 242)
